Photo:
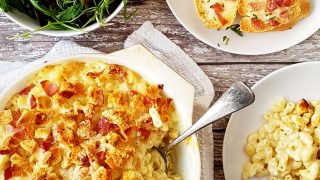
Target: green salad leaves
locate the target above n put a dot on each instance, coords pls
(65, 14)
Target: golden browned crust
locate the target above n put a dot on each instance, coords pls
(300, 9)
(215, 23)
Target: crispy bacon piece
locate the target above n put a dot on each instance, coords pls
(47, 143)
(217, 8)
(163, 104)
(256, 23)
(7, 151)
(271, 5)
(273, 22)
(101, 156)
(66, 93)
(160, 86)
(18, 136)
(85, 161)
(49, 88)
(147, 101)
(116, 69)
(94, 75)
(104, 127)
(16, 116)
(26, 90)
(40, 118)
(7, 173)
(33, 102)
(144, 133)
(133, 92)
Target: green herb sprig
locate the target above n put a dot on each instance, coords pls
(235, 28)
(65, 14)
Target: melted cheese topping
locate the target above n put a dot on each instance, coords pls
(264, 15)
(86, 121)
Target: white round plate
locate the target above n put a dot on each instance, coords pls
(250, 43)
(293, 83)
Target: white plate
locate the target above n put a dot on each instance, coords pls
(293, 82)
(250, 43)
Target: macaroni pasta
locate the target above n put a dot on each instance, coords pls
(286, 146)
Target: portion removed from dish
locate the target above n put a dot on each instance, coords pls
(257, 15)
(287, 145)
(86, 121)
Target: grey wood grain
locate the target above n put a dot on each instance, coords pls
(222, 68)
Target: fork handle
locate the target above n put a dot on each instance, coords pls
(235, 98)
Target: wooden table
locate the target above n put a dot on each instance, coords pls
(222, 68)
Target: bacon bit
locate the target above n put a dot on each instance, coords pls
(163, 104)
(79, 88)
(101, 156)
(16, 116)
(133, 92)
(67, 94)
(104, 127)
(160, 86)
(284, 14)
(255, 6)
(7, 173)
(7, 151)
(40, 118)
(26, 90)
(217, 8)
(33, 102)
(99, 97)
(47, 143)
(287, 3)
(222, 19)
(256, 23)
(144, 132)
(21, 134)
(147, 101)
(49, 88)
(85, 161)
(94, 75)
(18, 136)
(116, 69)
(271, 5)
(273, 22)
(130, 130)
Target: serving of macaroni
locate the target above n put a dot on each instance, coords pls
(87, 120)
(287, 145)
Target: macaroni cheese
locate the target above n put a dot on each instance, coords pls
(86, 121)
(286, 146)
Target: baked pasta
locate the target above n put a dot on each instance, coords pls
(86, 121)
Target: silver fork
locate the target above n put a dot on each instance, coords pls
(237, 97)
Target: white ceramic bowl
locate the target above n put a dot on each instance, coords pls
(32, 24)
(154, 71)
(293, 83)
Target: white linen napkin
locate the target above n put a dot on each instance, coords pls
(166, 51)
